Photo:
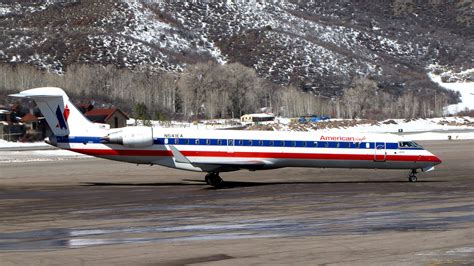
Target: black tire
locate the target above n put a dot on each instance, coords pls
(208, 179)
(215, 180)
(412, 178)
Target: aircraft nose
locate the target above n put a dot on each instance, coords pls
(436, 159)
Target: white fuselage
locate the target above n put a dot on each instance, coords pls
(230, 150)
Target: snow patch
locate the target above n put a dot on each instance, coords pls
(465, 88)
(10, 144)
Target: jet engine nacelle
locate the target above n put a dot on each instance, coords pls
(134, 137)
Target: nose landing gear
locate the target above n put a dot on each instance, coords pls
(412, 176)
(213, 179)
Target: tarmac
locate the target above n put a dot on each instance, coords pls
(83, 211)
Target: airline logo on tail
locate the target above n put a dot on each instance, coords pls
(62, 117)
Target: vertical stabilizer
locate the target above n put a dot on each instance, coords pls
(61, 115)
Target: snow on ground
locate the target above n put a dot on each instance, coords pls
(9, 144)
(441, 128)
(467, 93)
(440, 136)
(418, 125)
(38, 156)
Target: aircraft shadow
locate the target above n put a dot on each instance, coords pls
(105, 184)
(236, 184)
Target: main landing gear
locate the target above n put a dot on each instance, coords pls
(412, 176)
(213, 179)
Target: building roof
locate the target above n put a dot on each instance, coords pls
(259, 115)
(29, 118)
(102, 115)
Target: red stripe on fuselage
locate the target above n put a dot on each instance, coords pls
(276, 155)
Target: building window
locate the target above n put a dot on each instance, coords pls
(116, 124)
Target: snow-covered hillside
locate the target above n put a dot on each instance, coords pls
(465, 88)
(317, 45)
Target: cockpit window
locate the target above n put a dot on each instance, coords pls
(408, 144)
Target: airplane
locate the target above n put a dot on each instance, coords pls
(216, 151)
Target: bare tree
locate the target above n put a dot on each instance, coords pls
(360, 97)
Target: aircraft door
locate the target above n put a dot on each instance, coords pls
(230, 145)
(380, 152)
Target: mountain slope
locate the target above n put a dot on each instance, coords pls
(317, 45)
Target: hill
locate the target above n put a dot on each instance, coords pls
(319, 46)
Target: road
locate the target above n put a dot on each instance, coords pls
(93, 211)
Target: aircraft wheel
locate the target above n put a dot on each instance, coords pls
(208, 178)
(214, 180)
(412, 176)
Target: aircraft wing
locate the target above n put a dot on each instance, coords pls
(221, 166)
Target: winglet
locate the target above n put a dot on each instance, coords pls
(178, 156)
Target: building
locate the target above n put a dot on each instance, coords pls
(36, 127)
(10, 129)
(112, 116)
(255, 118)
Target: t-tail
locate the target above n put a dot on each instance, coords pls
(62, 116)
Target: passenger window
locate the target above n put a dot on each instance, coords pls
(315, 144)
(208, 142)
(260, 142)
(367, 145)
(196, 142)
(176, 141)
(219, 142)
(230, 142)
(186, 141)
(293, 143)
(239, 142)
(337, 145)
(304, 143)
(326, 145)
(272, 143)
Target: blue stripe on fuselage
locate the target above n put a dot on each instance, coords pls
(252, 143)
